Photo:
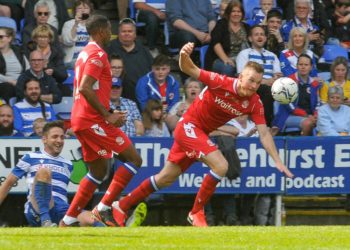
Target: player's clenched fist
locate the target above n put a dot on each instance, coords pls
(187, 49)
(117, 118)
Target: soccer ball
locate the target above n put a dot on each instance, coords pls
(284, 90)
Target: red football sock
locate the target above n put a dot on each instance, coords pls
(137, 195)
(205, 192)
(85, 191)
(121, 178)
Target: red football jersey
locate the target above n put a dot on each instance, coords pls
(92, 61)
(219, 102)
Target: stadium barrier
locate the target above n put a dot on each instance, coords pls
(321, 165)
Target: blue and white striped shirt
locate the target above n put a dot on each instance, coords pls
(266, 58)
(25, 114)
(61, 170)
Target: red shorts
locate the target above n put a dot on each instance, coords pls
(101, 140)
(190, 143)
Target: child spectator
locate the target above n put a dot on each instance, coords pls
(38, 126)
(158, 85)
(260, 16)
(153, 120)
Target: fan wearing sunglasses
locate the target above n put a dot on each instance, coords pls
(41, 14)
(57, 15)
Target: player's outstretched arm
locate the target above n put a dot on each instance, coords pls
(185, 62)
(269, 145)
(6, 186)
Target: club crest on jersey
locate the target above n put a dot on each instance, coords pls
(212, 76)
(189, 130)
(227, 94)
(171, 96)
(100, 54)
(245, 104)
(98, 130)
(97, 62)
(119, 140)
(191, 154)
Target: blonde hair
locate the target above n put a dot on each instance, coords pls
(43, 30)
(292, 33)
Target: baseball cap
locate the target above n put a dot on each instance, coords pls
(116, 82)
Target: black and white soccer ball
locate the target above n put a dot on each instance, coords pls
(284, 90)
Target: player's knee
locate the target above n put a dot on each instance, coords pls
(221, 168)
(137, 161)
(164, 180)
(43, 174)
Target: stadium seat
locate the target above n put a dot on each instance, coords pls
(333, 51)
(289, 130)
(12, 101)
(70, 79)
(63, 109)
(325, 76)
(202, 52)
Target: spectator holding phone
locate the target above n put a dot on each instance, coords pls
(74, 33)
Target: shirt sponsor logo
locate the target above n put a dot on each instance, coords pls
(227, 106)
(102, 152)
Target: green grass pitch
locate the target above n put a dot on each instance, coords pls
(292, 237)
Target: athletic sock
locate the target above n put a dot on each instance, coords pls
(147, 187)
(85, 191)
(42, 195)
(206, 191)
(121, 178)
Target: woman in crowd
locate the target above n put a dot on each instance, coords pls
(153, 120)
(333, 118)
(297, 44)
(302, 112)
(43, 38)
(192, 89)
(74, 33)
(12, 63)
(228, 38)
(339, 77)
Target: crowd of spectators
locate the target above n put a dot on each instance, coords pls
(287, 38)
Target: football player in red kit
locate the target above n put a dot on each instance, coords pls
(224, 98)
(96, 128)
